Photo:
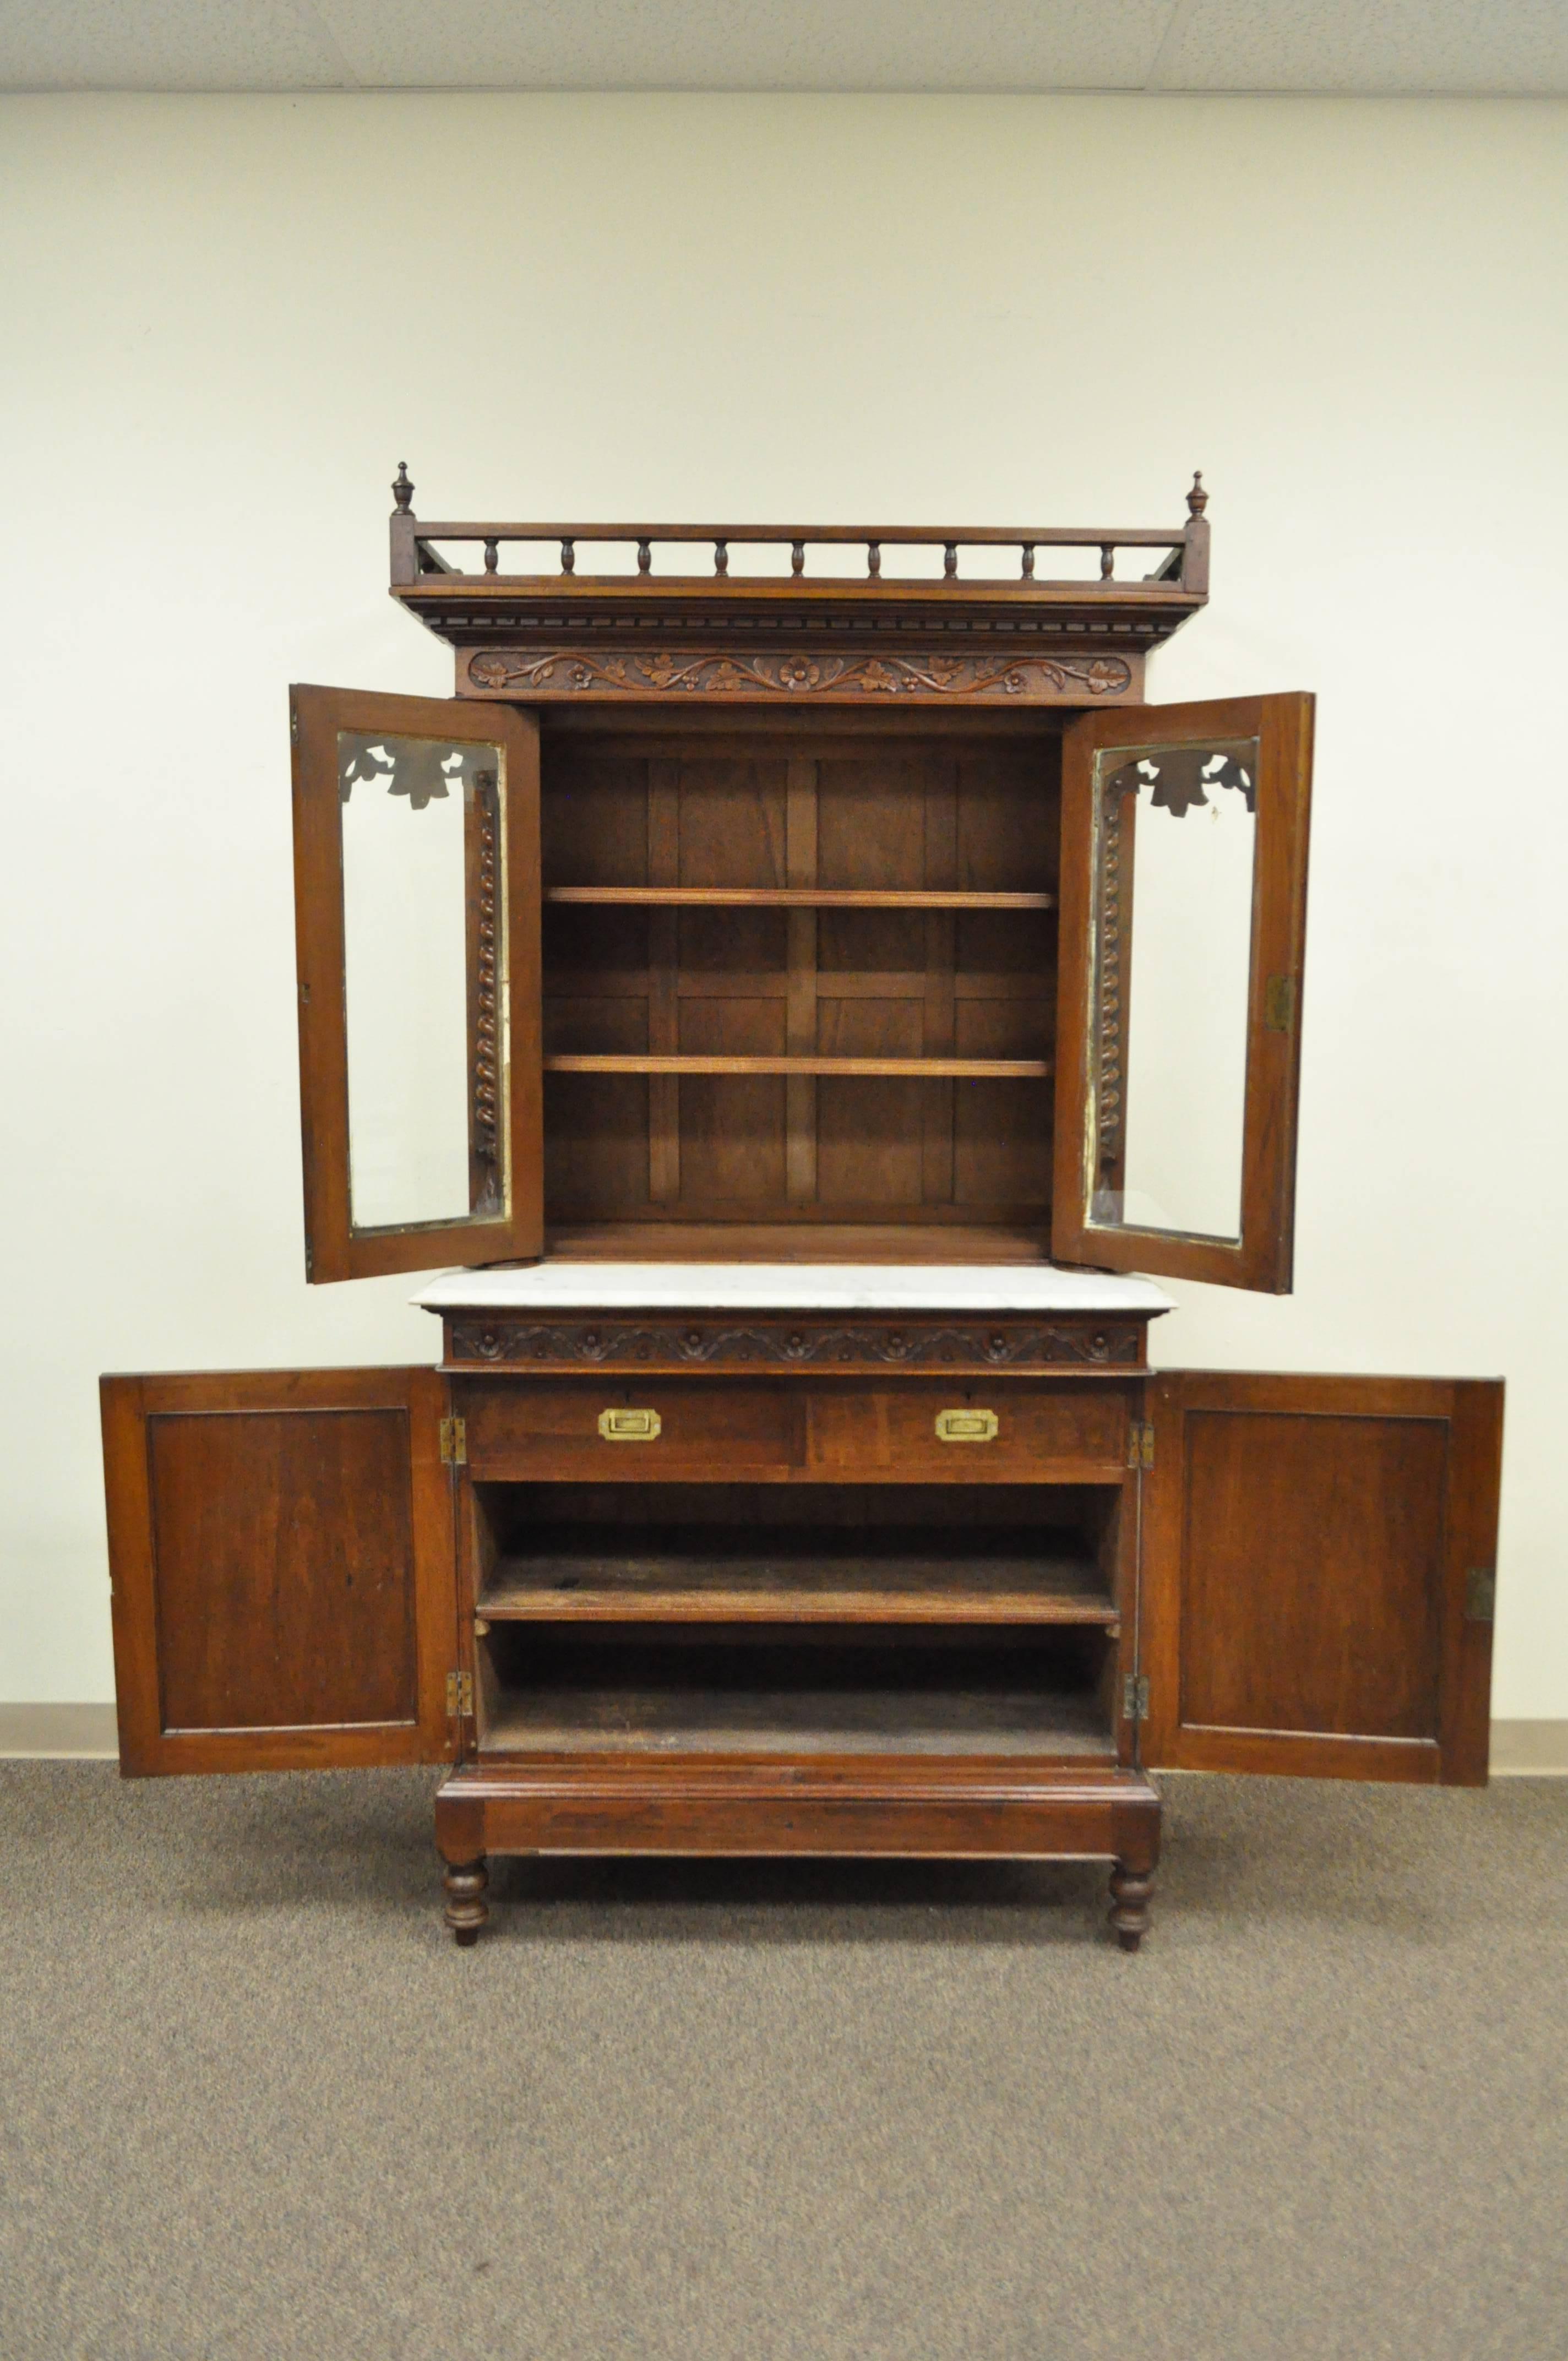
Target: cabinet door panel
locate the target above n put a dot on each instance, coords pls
(1183, 909)
(282, 1555)
(416, 882)
(1317, 1565)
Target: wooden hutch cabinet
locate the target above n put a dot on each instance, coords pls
(801, 996)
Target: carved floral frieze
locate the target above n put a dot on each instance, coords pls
(568, 672)
(597, 1345)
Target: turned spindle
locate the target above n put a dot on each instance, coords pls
(1130, 1893)
(467, 1909)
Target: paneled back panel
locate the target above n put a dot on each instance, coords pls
(790, 989)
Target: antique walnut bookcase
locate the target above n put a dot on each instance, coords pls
(801, 982)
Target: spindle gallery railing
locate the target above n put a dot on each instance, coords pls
(415, 554)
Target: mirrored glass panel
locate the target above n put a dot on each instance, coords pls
(425, 979)
(1176, 830)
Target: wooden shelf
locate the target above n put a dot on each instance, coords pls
(718, 1575)
(676, 1719)
(793, 898)
(775, 983)
(920, 1069)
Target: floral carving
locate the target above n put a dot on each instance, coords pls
(598, 1345)
(800, 675)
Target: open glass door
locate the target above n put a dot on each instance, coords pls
(1183, 915)
(416, 882)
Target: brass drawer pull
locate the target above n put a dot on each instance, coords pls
(630, 1425)
(966, 1426)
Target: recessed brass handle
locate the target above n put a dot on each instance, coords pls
(630, 1425)
(967, 1425)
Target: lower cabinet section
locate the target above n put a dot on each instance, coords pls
(875, 1614)
(851, 1668)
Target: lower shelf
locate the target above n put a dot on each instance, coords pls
(928, 1698)
(829, 1721)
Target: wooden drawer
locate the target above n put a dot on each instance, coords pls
(715, 1431)
(975, 1434)
(640, 1432)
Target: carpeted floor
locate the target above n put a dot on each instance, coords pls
(256, 2106)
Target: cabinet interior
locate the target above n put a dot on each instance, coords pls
(936, 1618)
(800, 975)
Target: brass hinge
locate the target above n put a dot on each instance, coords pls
(1480, 1594)
(1140, 1443)
(293, 725)
(1279, 1004)
(459, 1694)
(454, 1443)
(1136, 1698)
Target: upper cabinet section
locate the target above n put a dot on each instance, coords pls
(1183, 910)
(416, 869)
(780, 615)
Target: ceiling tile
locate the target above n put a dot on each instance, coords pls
(1470, 46)
(166, 45)
(1386, 46)
(824, 45)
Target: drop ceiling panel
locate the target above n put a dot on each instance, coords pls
(824, 45)
(1382, 46)
(1457, 46)
(166, 45)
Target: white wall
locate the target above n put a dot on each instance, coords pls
(223, 321)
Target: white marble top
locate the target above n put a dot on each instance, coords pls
(789, 1287)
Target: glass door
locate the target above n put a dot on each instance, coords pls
(416, 871)
(1183, 912)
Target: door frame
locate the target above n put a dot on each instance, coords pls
(129, 1404)
(1261, 1259)
(506, 1051)
(1455, 1754)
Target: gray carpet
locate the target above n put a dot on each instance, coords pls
(255, 2104)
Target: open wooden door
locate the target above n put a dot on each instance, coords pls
(1183, 915)
(282, 1554)
(1318, 1571)
(416, 889)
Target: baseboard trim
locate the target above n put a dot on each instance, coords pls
(86, 1733)
(60, 1732)
(1523, 1749)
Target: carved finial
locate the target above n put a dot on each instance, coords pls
(402, 490)
(1197, 499)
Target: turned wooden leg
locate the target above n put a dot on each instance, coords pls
(1130, 1892)
(467, 1908)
